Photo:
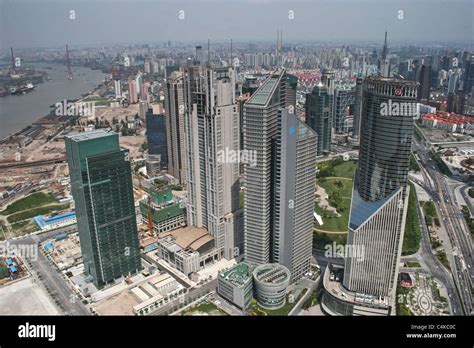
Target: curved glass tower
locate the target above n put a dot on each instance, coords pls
(385, 142)
(379, 202)
(379, 199)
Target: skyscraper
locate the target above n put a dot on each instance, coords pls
(357, 107)
(174, 109)
(291, 84)
(132, 91)
(380, 193)
(344, 99)
(139, 84)
(278, 201)
(293, 195)
(425, 81)
(384, 62)
(319, 112)
(260, 132)
(453, 82)
(469, 74)
(118, 88)
(379, 200)
(101, 184)
(157, 138)
(211, 132)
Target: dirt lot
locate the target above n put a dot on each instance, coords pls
(120, 304)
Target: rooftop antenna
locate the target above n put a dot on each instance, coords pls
(231, 56)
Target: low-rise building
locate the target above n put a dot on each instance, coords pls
(448, 122)
(166, 212)
(188, 249)
(236, 284)
(271, 282)
(54, 222)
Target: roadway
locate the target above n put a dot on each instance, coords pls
(48, 276)
(435, 267)
(445, 201)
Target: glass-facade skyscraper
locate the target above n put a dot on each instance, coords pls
(379, 200)
(279, 189)
(101, 184)
(319, 112)
(156, 137)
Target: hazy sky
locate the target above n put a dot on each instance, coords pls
(39, 23)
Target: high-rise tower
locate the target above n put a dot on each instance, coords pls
(211, 132)
(101, 184)
(319, 112)
(156, 135)
(174, 109)
(278, 189)
(357, 107)
(379, 200)
(384, 62)
(425, 81)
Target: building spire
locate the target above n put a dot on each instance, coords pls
(385, 50)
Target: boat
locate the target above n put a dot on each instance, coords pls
(22, 89)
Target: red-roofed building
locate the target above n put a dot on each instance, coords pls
(449, 122)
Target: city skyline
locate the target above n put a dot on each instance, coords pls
(332, 21)
(244, 158)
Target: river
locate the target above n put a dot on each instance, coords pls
(19, 111)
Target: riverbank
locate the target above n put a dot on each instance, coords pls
(18, 112)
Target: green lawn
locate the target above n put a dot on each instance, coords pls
(24, 227)
(469, 220)
(28, 214)
(320, 240)
(431, 216)
(312, 300)
(441, 255)
(346, 169)
(402, 294)
(470, 192)
(337, 167)
(340, 193)
(34, 200)
(413, 164)
(413, 264)
(411, 239)
(208, 308)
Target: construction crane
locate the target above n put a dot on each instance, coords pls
(150, 216)
(68, 62)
